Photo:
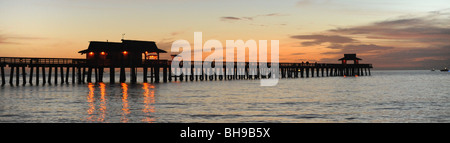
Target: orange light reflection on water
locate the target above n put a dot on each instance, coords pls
(125, 106)
(90, 100)
(149, 100)
(99, 114)
(102, 108)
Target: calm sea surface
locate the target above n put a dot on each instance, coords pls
(386, 96)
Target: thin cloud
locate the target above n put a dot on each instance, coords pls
(230, 18)
(273, 14)
(360, 48)
(14, 39)
(250, 18)
(409, 42)
(413, 58)
(319, 39)
(431, 28)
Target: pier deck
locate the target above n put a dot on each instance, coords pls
(79, 71)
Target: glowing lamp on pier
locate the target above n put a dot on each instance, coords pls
(152, 56)
(102, 53)
(125, 52)
(91, 53)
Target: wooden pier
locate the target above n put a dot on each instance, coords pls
(64, 71)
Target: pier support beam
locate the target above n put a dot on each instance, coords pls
(317, 72)
(100, 74)
(302, 70)
(11, 75)
(89, 75)
(322, 70)
(37, 75)
(24, 76)
(17, 75)
(112, 75)
(96, 74)
(61, 68)
(49, 80)
(67, 74)
(73, 74)
(145, 68)
(181, 75)
(170, 73)
(133, 77)
(165, 74)
(56, 75)
(307, 72)
(192, 73)
(3, 75)
(83, 74)
(31, 75)
(78, 74)
(122, 75)
(152, 74)
(156, 74)
(43, 75)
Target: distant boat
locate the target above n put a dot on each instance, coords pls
(433, 69)
(444, 70)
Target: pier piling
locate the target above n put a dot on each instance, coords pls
(17, 75)
(49, 75)
(3, 74)
(112, 75)
(24, 76)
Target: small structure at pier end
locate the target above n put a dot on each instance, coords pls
(128, 53)
(350, 57)
(354, 69)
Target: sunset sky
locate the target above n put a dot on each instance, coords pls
(400, 34)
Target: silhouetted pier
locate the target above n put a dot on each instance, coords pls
(65, 71)
(135, 54)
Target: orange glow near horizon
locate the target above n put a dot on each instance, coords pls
(102, 53)
(125, 52)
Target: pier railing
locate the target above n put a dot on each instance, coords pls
(166, 62)
(40, 61)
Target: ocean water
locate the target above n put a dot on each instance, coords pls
(386, 96)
